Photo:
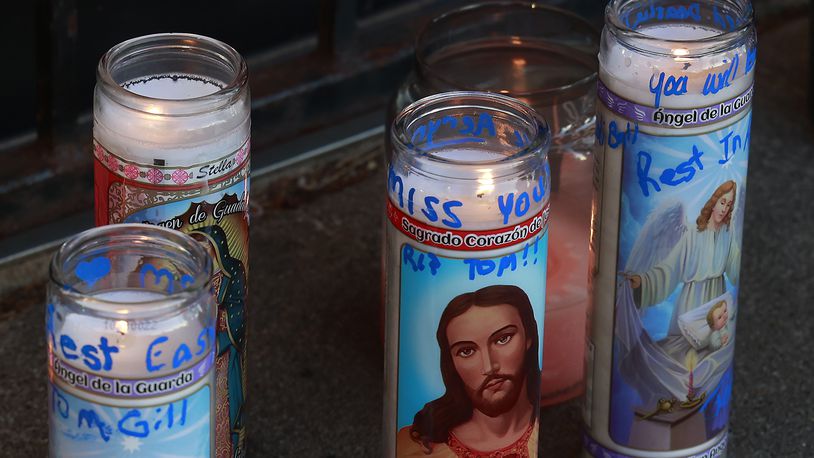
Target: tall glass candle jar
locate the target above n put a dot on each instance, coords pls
(130, 326)
(171, 142)
(673, 128)
(466, 241)
(545, 57)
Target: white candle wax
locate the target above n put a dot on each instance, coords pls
(628, 73)
(153, 133)
(133, 337)
(480, 210)
(133, 340)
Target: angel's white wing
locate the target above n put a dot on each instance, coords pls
(660, 234)
(736, 219)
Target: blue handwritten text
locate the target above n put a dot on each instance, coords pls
(422, 261)
(668, 86)
(682, 173)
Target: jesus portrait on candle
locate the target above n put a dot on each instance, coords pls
(489, 365)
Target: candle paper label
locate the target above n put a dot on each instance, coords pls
(677, 118)
(678, 261)
(452, 239)
(92, 410)
(178, 428)
(210, 202)
(130, 388)
(470, 335)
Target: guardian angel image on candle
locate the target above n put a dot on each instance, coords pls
(677, 283)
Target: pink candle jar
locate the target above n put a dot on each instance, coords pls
(545, 57)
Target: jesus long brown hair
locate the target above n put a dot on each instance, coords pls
(432, 423)
(706, 212)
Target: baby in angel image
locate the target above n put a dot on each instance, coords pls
(706, 329)
(718, 320)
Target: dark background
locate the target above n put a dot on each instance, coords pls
(250, 26)
(312, 63)
(315, 370)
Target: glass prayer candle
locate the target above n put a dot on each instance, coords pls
(130, 326)
(465, 255)
(545, 57)
(171, 143)
(672, 139)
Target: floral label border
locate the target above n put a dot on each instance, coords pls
(155, 175)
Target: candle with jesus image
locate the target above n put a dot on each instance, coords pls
(465, 255)
(672, 140)
(171, 146)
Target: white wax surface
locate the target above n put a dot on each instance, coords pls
(132, 337)
(182, 87)
(628, 73)
(467, 155)
(129, 296)
(678, 32)
(479, 193)
(144, 136)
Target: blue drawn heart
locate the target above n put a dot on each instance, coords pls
(90, 272)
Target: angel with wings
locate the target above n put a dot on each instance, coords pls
(668, 255)
(699, 260)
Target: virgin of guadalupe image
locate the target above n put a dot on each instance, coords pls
(230, 290)
(683, 367)
(489, 365)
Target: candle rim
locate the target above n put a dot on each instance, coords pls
(134, 234)
(426, 66)
(503, 167)
(222, 98)
(128, 311)
(720, 42)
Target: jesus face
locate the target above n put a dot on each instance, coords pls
(722, 207)
(488, 346)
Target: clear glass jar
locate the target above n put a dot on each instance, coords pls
(171, 100)
(171, 145)
(465, 256)
(130, 326)
(672, 149)
(545, 57)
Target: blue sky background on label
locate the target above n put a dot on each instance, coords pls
(164, 211)
(668, 152)
(423, 299)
